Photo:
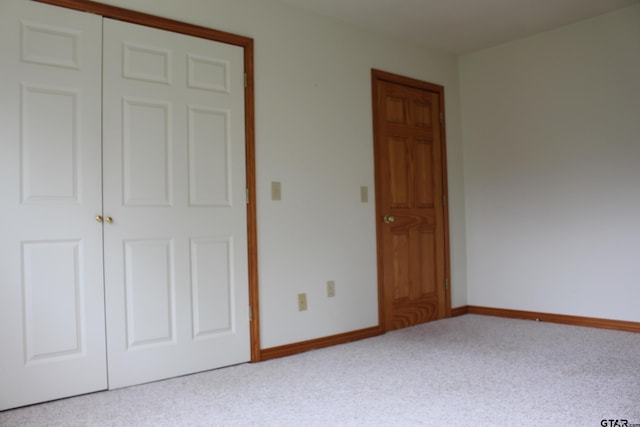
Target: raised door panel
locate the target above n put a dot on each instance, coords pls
(49, 123)
(176, 251)
(424, 173)
(399, 158)
(149, 293)
(51, 287)
(209, 157)
(51, 272)
(146, 152)
(212, 285)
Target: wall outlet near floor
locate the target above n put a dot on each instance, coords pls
(302, 302)
(331, 289)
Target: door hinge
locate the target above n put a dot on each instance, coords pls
(247, 194)
(245, 80)
(446, 283)
(250, 313)
(444, 200)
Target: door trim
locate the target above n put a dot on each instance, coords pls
(246, 43)
(377, 76)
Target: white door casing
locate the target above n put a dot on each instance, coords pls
(176, 271)
(52, 334)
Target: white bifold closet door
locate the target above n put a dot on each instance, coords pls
(126, 148)
(174, 184)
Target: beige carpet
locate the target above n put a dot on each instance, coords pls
(466, 371)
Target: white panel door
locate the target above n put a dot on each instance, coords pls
(52, 335)
(174, 184)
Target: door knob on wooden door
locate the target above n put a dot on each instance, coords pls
(388, 219)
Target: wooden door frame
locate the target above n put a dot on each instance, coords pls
(246, 43)
(376, 76)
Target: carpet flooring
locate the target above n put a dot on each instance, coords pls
(469, 370)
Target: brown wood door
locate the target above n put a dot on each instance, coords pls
(412, 227)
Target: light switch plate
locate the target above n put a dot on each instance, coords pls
(276, 193)
(364, 194)
(302, 302)
(331, 289)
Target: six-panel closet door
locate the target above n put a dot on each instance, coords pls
(174, 185)
(52, 335)
(167, 145)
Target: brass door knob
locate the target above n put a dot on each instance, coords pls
(109, 220)
(99, 218)
(388, 219)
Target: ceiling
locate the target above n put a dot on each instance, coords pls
(460, 26)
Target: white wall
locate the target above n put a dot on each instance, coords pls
(552, 170)
(314, 135)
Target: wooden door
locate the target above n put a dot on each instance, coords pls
(176, 257)
(52, 337)
(409, 146)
